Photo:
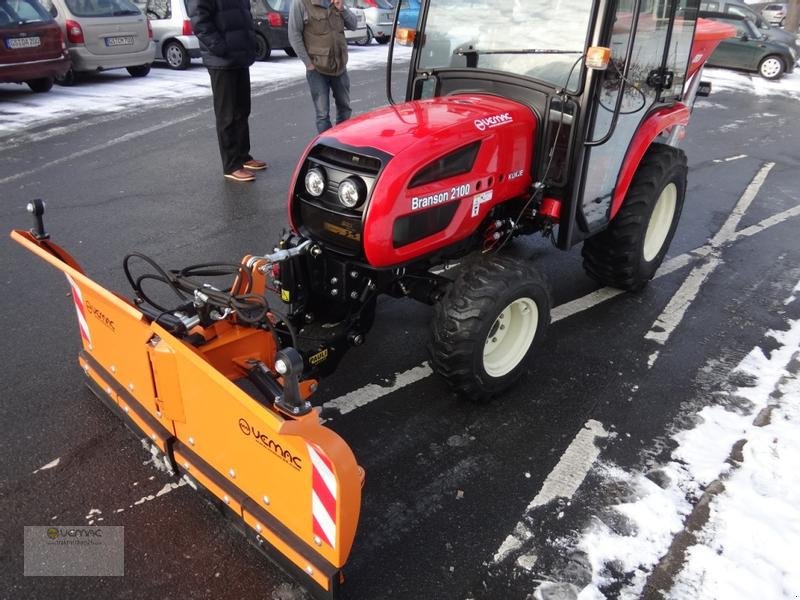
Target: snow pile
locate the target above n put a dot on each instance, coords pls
(749, 546)
(737, 81)
(747, 549)
(113, 92)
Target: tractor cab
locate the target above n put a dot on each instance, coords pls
(590, 73)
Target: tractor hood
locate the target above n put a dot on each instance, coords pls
(452, 120)
(430, 172)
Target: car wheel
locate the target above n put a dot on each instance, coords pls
(139, 71)
(366, 40)
(627, 254)
(176, 56)
(771, 67)
(40, 85)
(290, 51)
(67, 78)
(263, 50)
(487, 325)
(384, 39)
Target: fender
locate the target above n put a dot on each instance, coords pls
(654, 125)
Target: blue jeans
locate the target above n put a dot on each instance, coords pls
(321, 87)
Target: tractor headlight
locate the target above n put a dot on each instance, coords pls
(352, 192)
(315, 181)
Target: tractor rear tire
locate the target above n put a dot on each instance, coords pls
(627, 254)
(487, 325)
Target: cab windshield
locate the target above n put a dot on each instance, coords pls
(541, 39)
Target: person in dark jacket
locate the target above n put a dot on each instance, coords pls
(228, 46)
(316, 33)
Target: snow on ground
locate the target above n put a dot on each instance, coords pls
(738, 81)
(115, 91)
(748, 547)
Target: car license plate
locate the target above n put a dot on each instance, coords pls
(33, 41)
(120, 40)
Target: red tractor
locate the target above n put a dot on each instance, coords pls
(559, 119)
(518, 118)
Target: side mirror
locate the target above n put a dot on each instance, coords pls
(744, 37)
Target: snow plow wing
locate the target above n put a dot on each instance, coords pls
(293, 484)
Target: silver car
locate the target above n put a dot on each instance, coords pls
(360, 34)
(103, 34)
(175, 41)
(774, 14)
(380, 18)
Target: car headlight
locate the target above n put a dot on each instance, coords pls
(793, 52)
(352, 192)
(315, 181)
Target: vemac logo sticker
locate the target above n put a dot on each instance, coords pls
(493, 121)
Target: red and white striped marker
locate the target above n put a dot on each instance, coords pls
(77, 298)
(323, 496)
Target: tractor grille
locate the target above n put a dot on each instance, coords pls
(324, 218)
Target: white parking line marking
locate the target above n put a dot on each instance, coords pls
(50, 465)
(672, 315)
(730, 158)
(728, 229)
(368, 393)
(562, 482)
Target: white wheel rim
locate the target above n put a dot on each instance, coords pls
(510, 337)
(771, 67)
(174, 55)
(660, 221)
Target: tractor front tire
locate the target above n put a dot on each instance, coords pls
(627, 254)
(487, 324)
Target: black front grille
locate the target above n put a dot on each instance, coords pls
(346, 160)
(341, 231)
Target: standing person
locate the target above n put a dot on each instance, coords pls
(228, 46)
(316, 33)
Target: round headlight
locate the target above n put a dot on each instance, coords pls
(315, 181)
(351, 194)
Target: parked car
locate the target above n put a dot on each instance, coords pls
(360, 35)
(380, 18)
(32, 49)
(408, 14)
(774, 14)
(737, 7)
(175, 41)
(750, 50)
(272, 26)
(102, 35)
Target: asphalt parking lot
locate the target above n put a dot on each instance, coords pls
(448, 482)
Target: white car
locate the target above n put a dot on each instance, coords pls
(359, 35)
(380, 18)
(774, 14)
(175, 41)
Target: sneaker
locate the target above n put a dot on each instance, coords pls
(241, 175)
(255, 165)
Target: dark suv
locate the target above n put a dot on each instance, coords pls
(32, 50)
(272, 26)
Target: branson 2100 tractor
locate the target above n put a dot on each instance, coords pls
(557, 118)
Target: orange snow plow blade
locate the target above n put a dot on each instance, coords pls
(292, 482)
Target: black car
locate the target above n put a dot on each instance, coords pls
(272, 26)
(749, 49)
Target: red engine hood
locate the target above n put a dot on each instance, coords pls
(395, 129)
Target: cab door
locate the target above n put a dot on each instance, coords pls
(626, 93)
